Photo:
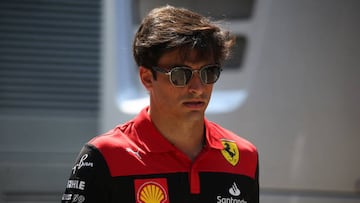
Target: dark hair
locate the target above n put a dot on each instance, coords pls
(167, 28)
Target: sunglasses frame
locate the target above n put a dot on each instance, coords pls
(169, 72)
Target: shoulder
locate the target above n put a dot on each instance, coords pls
(224, 135)
(114, 141)
(238, 151)
(113, 138)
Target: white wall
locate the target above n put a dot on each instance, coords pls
(301, 78)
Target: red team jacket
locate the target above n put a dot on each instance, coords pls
(135, 163)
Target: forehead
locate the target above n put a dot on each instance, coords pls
(185, 56)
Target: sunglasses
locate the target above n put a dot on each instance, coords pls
(180, 76)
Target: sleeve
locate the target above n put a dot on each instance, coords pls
(90, 178)
(256, 185)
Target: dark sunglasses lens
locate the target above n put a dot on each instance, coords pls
(180, 76)
(210, 74)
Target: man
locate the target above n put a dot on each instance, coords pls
(170, 152)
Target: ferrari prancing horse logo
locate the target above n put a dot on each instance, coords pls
(230, 152)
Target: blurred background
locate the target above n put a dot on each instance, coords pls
(292, 87)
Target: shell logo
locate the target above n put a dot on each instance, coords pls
(151, 191)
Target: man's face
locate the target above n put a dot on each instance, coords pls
(188, 102)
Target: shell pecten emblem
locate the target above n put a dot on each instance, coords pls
(151, 191)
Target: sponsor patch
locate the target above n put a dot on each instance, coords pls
(82, 163)
(234, 190)
(151, 190)
(232, 197)
(78, 198)
(76, 184)
(66, 197)
(230, 152)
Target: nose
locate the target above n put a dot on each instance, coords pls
(195, 85)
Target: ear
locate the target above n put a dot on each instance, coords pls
(146, 77)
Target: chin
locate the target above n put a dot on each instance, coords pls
(195, 115)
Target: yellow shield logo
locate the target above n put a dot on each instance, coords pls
(230, 152)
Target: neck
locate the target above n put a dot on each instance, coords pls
(188, 136)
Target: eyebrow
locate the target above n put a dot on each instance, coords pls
(168, 68)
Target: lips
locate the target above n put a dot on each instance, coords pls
(194, 104)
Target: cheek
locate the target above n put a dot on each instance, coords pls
(163, 92)
(209, 88)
